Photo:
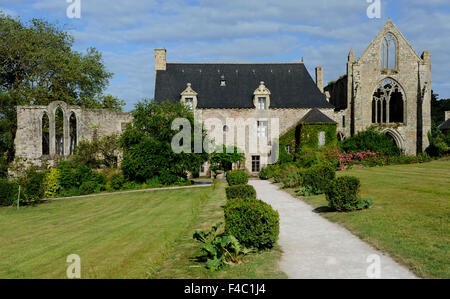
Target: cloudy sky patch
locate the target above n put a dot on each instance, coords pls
(321, 31)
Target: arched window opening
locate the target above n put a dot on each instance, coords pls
(59, 131)
(396, 107)
(45, 135)
(73, 132)
(394, 141)
(388, 103)
(389, 52)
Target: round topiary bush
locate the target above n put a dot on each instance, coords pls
(318, 177)
(240, 191)
(342, 193)
(253, 222)
(237, 177)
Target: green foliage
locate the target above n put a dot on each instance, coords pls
(98, 153)
(39, 66)
(304, 142)
(304, 191)
(318, 177)
(439, 145)
(224, 158)
(237, 177)
(74, 175)
(371, 139)
(89, 187)
(438, 108)
(51, 184)
(253, 222)
(32, 185)
(308, 137)
(240, 191)
(147, 142)
(8, 192)
(343, 194)
(117, 180)
(219, 249)
(268, 172)
(293, 180)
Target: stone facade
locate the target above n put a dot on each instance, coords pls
(89, 124)
(354, 94)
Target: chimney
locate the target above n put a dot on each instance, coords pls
(319, 78)
(160, 59)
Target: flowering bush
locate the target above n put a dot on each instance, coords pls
(371, 159)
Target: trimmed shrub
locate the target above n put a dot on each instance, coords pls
(8, 192)
(89, 187)
(253, 222)
(240, 191)
(117, 180)
(318, 177)
(342, 193)
(237, 177)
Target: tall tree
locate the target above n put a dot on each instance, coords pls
(38, 66)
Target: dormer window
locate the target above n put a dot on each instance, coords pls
(262, 103)
(261, 97)
(189, 97)
(223, 82)
(189, 102)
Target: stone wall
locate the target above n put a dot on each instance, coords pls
(287, 118)
(90, 124)
(413, 75)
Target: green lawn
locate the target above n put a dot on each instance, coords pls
(140, 235)
(410, 217)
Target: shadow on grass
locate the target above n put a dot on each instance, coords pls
(324, 209)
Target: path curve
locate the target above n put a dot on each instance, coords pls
(314, 247)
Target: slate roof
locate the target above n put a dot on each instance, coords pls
(445, 125)
(316, 116)
(290, 84)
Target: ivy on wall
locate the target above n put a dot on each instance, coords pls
(305, 137)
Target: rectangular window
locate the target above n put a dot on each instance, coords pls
(262, 105)
(189, 102)
(343, 121)
(256, 163)
(202, 168)
(262, 129)
(321, 139)
(289, 148)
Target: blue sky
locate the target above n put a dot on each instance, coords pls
(321, 31)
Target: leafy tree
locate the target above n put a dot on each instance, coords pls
(96, 153)
(438, 108)
(147, 142)
(223, 160)
(38, 66)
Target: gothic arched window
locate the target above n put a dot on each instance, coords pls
(388, 103)
(59, 131)
(389, 52)
(73, 133)
(45, 135)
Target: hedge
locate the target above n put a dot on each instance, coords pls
(237, 177)
(318, 177)
(240, 191)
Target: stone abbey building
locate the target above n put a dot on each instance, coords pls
(389, 86)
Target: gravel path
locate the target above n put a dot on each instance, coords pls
(314, 247)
